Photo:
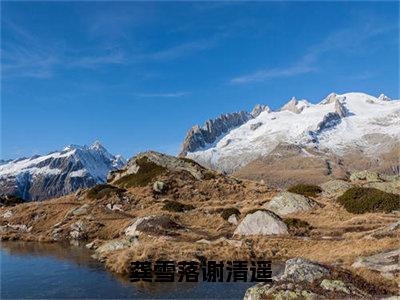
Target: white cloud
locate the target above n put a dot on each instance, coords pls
(162, 95)
(350, 40)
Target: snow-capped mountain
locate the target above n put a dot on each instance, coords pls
(58, 173)
(204, 137)
(339, 124)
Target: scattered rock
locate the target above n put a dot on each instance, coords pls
(116, 245)
(8, 214)
(153, 225)
(255, 125)
(90, 245)
(261, 222)
(386, 231)
(233, 219)
(78, 230)
(159, 186)
(335, 188)
(16, 227)
(340, 286)
(287, 203)
(114, 207)
(300, 269)
(81, 210)
(385, 262)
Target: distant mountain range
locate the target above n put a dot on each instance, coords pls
(300, 142)
(57, 173)
(339, 134)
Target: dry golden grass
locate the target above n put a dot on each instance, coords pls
(337, 235)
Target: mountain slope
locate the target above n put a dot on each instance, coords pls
(57, 173)
(338, 125)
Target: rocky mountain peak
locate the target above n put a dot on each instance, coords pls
(57, 173)
(331, 98)
(258, 109)
(383, 97)
(97, 146)
(295, 106)
(201, 137)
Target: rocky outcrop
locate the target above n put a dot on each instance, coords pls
(383, 97)
(340, 109)
(287, 203)
(113, 245)
(392, 187)
(153, 225)
(365, 175)
(295, 106)
(334, 188)
(162, 162)
(199, 137)
(305, 279)
(58, 173)
(387, 263)
(261, 222)
(258, 109)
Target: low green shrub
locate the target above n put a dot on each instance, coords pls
(175, 206)
(147, 173)
(227, 212)
(297, 226)
(359, 200)
(104, 190)
(308, 190)
(10, 200)
(209, 175)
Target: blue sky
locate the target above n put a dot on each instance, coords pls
(138, 75)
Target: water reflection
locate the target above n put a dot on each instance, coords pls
(44, 270)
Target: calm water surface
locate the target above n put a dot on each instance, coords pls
(39, 270)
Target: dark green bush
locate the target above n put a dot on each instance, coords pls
(176, 206)
(10, 200)
(147, 173)
(308, 190)
(209, 175)
(359, 200)
(227, 212)
(297, 226)
(104, 190)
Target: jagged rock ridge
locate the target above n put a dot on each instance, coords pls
(202, 137)
(57, 173)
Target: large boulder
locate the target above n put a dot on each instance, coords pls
(153, 225)
(300, 269)
(287, 203)
(114, 245)
(336, 187)
(261, 222)
(387, 262)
